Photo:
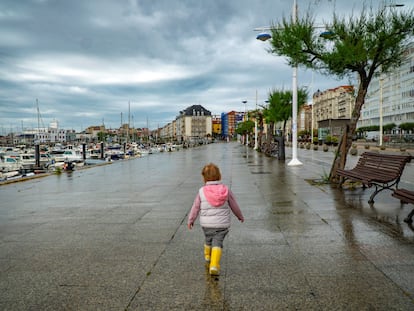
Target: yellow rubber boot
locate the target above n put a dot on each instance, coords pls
(207, 252)
(215, 261)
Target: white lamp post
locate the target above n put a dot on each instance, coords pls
(245, 119)
(255, 127)
(380, 109)
(295, 161)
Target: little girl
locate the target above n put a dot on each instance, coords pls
(214, 202)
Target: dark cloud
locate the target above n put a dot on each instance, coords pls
(84, 61)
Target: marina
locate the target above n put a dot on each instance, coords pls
(21, 161)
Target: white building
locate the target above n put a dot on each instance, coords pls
(56, 134)
(194, 124)
(51, 134)
(397, 96)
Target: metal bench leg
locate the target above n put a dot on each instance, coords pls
(378, 190)
(409, 218)
(371, 198)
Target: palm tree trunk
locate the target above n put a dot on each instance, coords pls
(259, 139)
(269, 137)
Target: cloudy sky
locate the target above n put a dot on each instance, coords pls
(99, 62)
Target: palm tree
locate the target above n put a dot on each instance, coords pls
(280, 110)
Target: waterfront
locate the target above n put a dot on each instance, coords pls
(22, 161)
(114, 238)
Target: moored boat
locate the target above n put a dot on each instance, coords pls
(71, 155)
(9, 163)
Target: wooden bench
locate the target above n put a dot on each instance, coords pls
(375, 169)
(405, 196)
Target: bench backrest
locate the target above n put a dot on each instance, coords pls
(391, 163)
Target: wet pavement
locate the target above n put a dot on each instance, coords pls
(114, 237)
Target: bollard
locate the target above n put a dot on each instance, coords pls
(37, 156)
(281, 147)
(102, 150)
(84, 151)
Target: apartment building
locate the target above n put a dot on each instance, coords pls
(332, 110)
(305, 118)
(336, 103)
(229, 122)
(216, 125)
(169, 131)
(394, 91)
(193, 124)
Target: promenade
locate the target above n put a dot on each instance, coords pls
(115, 237)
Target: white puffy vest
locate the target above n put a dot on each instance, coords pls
(214, 217)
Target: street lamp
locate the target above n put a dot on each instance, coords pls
(255, 126)
(263, 36)
(381, 81)
(245, 119)
(256, 146)
(295, 161)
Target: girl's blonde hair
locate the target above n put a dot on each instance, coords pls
(211, 172)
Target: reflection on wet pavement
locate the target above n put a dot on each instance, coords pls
(115, 238)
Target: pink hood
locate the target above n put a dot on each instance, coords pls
(216, 194)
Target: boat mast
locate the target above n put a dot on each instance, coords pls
(147, 131)
(129, 120)
(121, 131)
(38, 121)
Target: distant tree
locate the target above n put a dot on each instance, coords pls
(245, 128)
(367, 44)
(370, 128)
(259, 117)
(102, 136)
(279, 109)
(388, 127)
(409, 126)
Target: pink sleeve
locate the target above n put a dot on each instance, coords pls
(195, 209)
(235, 206)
